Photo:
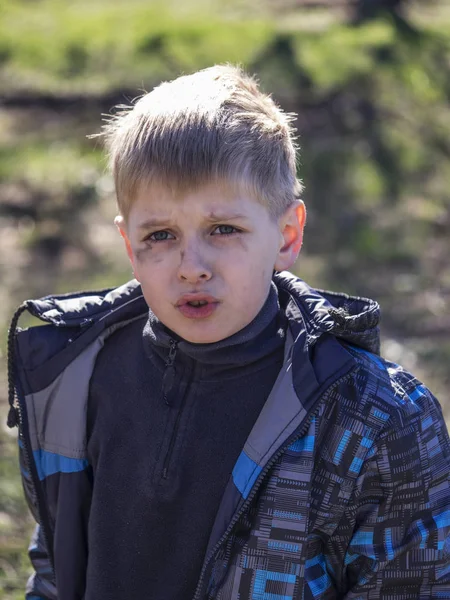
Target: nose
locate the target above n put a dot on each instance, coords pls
(193, 268)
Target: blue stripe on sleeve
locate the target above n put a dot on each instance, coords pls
(48, 463)
(245, 473)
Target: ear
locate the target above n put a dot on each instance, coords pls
(291, 224)
(120, 223)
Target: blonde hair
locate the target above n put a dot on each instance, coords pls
(213, 125)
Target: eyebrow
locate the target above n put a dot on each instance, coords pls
(154, 222)
(212, 217)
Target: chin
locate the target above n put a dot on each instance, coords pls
(206, 337)
(200, 339)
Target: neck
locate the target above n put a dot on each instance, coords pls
(260, 338)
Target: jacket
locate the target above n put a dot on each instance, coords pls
(341, 490)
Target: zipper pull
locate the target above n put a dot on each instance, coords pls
(13, 417)
(169, 372)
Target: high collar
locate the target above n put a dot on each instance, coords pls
(352, 319)
(259, 339)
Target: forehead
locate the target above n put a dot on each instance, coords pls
(217, 197)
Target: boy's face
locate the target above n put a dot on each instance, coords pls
(205, 258)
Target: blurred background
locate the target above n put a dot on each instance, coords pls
(370, 82)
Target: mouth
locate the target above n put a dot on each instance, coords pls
(197, 302)
(197, 306)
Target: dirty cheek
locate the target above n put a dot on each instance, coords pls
(147, 255)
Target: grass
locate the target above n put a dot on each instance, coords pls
(92, 47)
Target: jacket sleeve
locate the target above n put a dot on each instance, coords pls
(67, 496)
(400, 511)
(40, 585)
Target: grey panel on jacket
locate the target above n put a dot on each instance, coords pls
(273, 426)
(57, 414)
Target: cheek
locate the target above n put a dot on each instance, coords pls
(249, 278)
(153, 264)
(154, 287)
(253, 259)
(144, 256)
(149, 268)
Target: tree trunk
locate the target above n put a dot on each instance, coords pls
(371, 9)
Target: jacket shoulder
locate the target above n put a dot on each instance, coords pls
(74, 320)
(400, 396)
(80, 309)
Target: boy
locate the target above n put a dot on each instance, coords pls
(220, 429)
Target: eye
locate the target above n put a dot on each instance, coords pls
(160, 236)
(225, 230)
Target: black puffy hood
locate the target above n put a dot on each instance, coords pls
(352, 319)
(77, 319)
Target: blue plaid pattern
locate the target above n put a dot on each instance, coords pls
(359, 507)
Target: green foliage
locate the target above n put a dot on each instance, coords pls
(62, 163)
(92, 47)
(343, 54)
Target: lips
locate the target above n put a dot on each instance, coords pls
(197, 306)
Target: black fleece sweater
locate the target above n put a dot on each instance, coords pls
(166, 422)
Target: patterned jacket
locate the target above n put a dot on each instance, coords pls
(340, 492)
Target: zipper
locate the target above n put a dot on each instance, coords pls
(36, 489)
(296, 435)
(172, 441)
(16, 417)
(168, 381)
(169, 371)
